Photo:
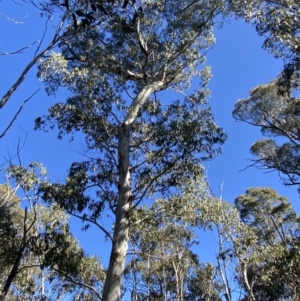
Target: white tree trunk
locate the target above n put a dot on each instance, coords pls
(113, 281)
(248, 286)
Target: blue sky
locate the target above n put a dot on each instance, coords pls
(238, 64)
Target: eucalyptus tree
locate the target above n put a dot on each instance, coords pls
(40, 258)
(277, 115)
(222, 220)
(258, 245)
(274, 271)
(140, 144)
(162, 264)
(161, 260)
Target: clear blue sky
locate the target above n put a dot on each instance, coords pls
(238, 64)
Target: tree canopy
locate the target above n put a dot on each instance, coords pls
(146, 146)
(278, 22)
(142, 181)
(40, 258)
(277, 116)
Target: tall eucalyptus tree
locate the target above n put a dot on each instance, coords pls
(139, 142)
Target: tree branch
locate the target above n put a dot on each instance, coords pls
(93, 222)
(35, 59)
(18, 51)
(77, 282)
(18, 112)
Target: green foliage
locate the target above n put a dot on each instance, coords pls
(163, 265)
(9, 215)
(277, 116)
(272, 265)
(40, 258)
(258, 245)
(121, 56)
(203, 283)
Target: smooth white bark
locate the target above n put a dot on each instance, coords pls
(113, 282)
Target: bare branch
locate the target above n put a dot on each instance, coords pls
(35, 59)
(78, 282)
(42, 39)
(18, 112)
(92, 222)
(20, 50)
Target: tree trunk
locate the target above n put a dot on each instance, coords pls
(14, 271)
(248, 286)
(113, 281)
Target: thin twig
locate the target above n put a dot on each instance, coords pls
(20, 50)
(18, 112)
(42, 39)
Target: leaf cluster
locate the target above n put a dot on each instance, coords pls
(277, 116)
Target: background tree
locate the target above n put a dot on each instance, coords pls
(275, 272)
(222, 220)
(258, 245)
(40, 258)
(273, 107)
(277, 116)
(9, 213)
(145, 145)
(163, 265)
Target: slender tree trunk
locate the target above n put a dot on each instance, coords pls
(113, 282)
(248, 286)
(14, 270)
(222, 268)
(13, 273)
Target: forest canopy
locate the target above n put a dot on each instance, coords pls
(132, 87)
